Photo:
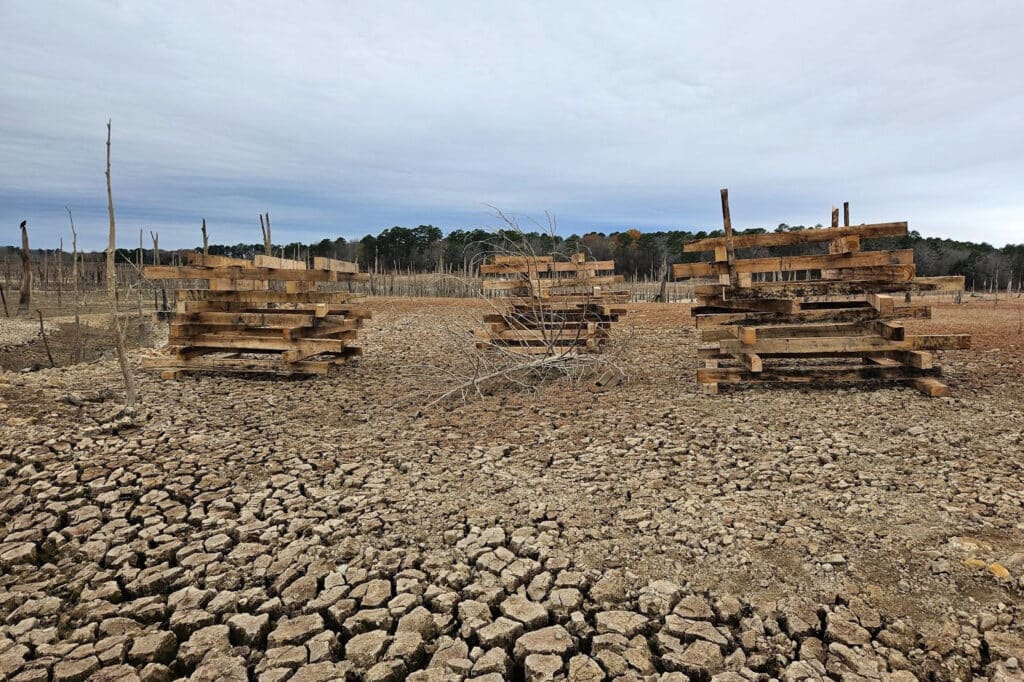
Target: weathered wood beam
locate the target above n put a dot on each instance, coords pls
(826, 234)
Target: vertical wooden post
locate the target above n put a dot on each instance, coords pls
(835, 217)
(730, 247)
(846, 214)
(25, 298)
(206, 241)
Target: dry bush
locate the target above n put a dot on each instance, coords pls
(476, 369)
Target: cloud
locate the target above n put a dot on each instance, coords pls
(345, 118)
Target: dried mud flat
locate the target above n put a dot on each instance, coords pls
(335, 529)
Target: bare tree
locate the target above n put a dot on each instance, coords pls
(112, 237)
(206, 240)
(25, 297)
(122, 360)
(77, 357)
(118, 328)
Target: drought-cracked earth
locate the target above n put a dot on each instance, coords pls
(247, 529)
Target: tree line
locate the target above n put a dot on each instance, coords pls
(639, 255)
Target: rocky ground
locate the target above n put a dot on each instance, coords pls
(338, 529)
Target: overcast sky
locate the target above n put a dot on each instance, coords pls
(345, 118)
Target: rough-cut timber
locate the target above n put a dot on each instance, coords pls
(259, 316)
(766, 309)
(553, 307)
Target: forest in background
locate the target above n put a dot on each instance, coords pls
(637, 255)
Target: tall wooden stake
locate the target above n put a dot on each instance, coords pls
(206, 241)
(846, 213)
(112, 237)
(265, 229)
(730, 247)
(25, 297)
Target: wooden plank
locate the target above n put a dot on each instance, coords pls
(199, 259)
(827, 234)
(835, 287)
(269, 343)
(846, 344)
(883, 273)
(237, 273)
(527, 268)
(749, 335)
(888, 330)
(274, 319)
(543, 284)
(514, 260)
(798, 263)
(804, 375)
(885, 305)
(930, 387)
(752, 361)
(278, 263)
(321, 263)
(242, 297)
(771, 305)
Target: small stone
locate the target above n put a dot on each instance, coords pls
(999, 571)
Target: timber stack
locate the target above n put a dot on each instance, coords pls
(552, 307)
(821, 317)
(266, 315)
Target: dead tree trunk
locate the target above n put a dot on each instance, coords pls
(77, 357)
(112, 237)
(206, 240)
(122, 360)
(155, 236)
(25, 298)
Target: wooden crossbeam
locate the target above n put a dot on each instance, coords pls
(239, 273)
(321, 263)
(835, 287)
(205, 260)
(827, 234)
(278, 263)
(529, 268)
(539, 284)
(846, 344)
(797, 263)
(804, 375)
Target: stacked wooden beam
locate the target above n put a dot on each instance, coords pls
(266, 315)
(553, 307)
(817, 317)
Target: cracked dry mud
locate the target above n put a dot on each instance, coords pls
(333, 529)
